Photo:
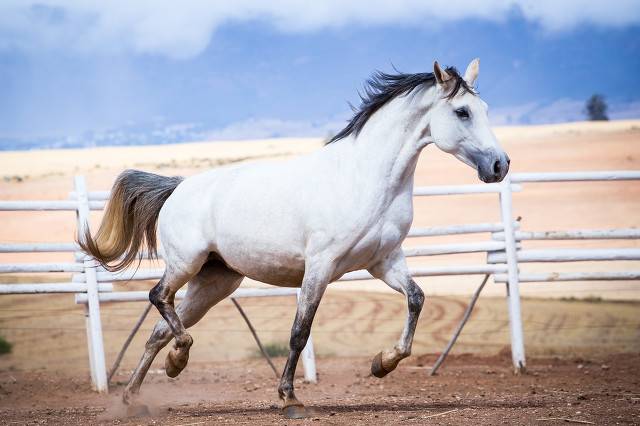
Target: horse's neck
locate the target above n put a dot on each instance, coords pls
(387, 149)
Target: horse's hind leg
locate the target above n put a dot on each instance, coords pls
(213, 283)
(162, 296)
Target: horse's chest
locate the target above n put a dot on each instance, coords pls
(380, 238)
(376, 243)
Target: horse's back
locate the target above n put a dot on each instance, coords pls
(264, 219)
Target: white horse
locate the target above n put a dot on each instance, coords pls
(299, 223)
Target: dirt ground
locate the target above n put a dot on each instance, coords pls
(583, 358)
(48, 332)
(467, 390)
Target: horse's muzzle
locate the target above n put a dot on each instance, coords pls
(493, 167)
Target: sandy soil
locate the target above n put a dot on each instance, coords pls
(468, 390)
(48, 331)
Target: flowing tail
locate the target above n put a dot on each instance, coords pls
(130, 219)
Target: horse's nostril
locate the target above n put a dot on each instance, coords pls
(496, 167)
(508, 160)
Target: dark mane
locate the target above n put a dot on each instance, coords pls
(382, 88)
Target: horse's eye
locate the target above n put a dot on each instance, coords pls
(462, 113)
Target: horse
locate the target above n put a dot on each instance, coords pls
(301, 222)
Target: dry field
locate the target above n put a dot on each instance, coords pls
(567, 147)
(48, 331)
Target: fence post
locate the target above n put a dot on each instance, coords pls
(309, 358)
(92, 360)
(513, 289)
(94, 323)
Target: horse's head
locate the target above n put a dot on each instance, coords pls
(460, 126)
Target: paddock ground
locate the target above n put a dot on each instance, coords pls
(469, 390)
(48, 331)
(582, 365)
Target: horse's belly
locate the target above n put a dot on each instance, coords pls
(275, 268)
(263, 243)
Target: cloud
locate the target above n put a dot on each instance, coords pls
(183, 29)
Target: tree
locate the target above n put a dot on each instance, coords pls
(596, 108)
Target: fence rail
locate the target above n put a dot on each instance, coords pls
(583, 234)
(616, 175)
(571, 276)
(504, 251)
(143, 296)
(569, 255)
(18, 268)
(475, 228)
(38, 247)
(47, 205)
(50, 288)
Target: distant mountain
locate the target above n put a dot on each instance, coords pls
(159, 133)
(558, 111)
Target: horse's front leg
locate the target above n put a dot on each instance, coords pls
(394, 272)
(314, 284)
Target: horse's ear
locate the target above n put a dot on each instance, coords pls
(441, 75)
(471, 74)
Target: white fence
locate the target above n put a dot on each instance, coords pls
(504, 252)
(93, 285)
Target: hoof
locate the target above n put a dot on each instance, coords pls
(376, 367)
(295, 412)
(138, 410)
(175, 362)
(129, 397)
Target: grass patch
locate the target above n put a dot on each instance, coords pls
(5, 347)
(587, 299)
(275, 350)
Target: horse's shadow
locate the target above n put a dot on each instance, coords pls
(403, 406)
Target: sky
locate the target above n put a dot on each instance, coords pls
(86, 73)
